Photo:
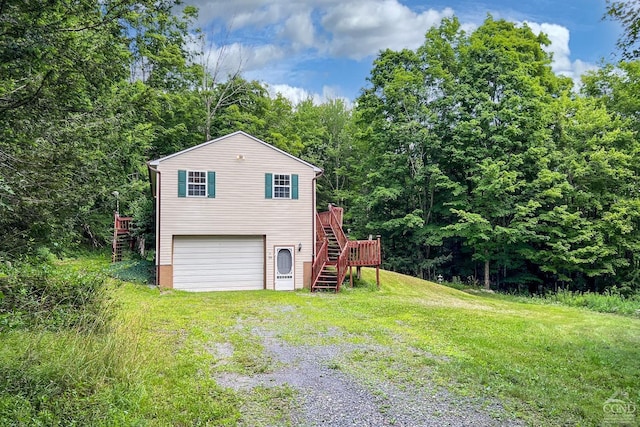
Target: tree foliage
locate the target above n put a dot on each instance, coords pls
(627, 13)
(482, 163)
(468, 155)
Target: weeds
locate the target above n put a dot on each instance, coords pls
(52, 298)
(610, 301)
(64, 359)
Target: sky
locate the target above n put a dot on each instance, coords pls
(325, 48)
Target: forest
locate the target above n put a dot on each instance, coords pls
(469, 156)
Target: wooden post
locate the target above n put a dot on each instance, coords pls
(379, 261)
(351, 275)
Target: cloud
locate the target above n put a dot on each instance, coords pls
(286, 40)
(300, 30)
(561, 64)
(298, 94)
(346, 28)
(362, 28)
(233, 57)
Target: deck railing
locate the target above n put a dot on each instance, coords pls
(354, 253)
(338, 213)
(122, 223)
(335, 220)
(365, 253)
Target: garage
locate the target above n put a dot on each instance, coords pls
(218, 263)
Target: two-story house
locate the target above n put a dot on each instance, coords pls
(234, 213)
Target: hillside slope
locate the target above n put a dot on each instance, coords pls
(549, 365)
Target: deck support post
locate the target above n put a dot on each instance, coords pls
(378, 276)
(351, 275)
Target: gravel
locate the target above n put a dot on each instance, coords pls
(330, 397)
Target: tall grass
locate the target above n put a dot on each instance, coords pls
(610, 301)
(65, 358)
(607, 302)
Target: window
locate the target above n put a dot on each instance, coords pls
(197, 184)
(281, 186)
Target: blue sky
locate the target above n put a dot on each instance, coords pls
(325, 48)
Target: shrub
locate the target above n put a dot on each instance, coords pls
(52, 298)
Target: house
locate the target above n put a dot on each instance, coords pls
(237, 213)
(234, 213)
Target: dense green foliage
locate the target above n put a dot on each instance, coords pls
(484, 164)
(468, 155)
(51, 298)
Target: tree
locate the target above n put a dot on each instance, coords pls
(70, 134)
(628, 14)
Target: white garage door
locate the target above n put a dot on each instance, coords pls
(218, 263)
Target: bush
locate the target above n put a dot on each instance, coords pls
(52, 298)
(65, 358)
(611, 301)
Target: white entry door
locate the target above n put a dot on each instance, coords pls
(284, 268)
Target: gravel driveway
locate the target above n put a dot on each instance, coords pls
(328, 396)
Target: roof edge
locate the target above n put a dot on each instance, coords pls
(238, 132)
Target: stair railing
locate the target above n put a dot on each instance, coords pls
(343, 263)
(321, 236)
(322, 257)
(336, 227)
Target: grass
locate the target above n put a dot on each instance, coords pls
(547, 364)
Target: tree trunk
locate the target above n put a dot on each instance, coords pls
(487, 282)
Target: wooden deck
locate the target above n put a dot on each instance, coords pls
(335, 253)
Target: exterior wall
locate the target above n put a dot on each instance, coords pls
(164, 274)
(240, 206)
(307, 274)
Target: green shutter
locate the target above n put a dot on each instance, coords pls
(268, 186)
(211, 184)
(182, 183)
(294, 186)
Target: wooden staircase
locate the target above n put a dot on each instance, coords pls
(121, 236)
(335, 253)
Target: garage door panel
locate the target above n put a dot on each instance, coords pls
(206, 263)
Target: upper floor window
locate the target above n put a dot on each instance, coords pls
(197, 184)
(281, 186)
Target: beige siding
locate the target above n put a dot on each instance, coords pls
(240, 207)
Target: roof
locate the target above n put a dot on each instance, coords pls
(213, 141)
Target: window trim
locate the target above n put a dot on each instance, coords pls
(289, 186)
(188, 183)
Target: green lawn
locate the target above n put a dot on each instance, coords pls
(157, 364)
(548, 365)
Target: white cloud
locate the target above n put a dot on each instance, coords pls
(233, 57)
(362, 28)
(298, 94)
(293, 94)
(300, 30)
(273, 40)
(347, 28)
(561, 64)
